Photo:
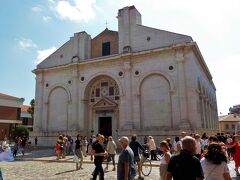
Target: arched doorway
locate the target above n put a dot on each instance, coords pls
(102, 102)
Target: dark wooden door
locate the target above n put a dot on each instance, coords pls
(105, 126)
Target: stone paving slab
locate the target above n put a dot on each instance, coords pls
(42, 164)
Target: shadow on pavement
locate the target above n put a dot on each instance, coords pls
(64, 172)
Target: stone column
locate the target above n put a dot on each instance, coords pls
(128, 101)
(207, 112)
(81, 111)
(203, 111)
(75, 100)
(182, 91)
(137, 112)
(37, 125)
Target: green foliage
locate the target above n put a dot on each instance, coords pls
(31, 109)
(21, 131)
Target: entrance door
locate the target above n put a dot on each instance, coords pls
(105, 126)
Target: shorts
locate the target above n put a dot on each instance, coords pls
(137, 159)
(79, 153)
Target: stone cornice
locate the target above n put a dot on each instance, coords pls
(124, 56)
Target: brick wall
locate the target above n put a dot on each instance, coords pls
(105, 36)
(9, 113)
(4, 130)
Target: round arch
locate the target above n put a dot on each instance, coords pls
(169, 80)
(51, 88)
(95, 76)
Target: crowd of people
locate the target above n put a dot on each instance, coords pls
(186, 157)
(7, 153)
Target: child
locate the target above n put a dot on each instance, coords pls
(58, 150)
(15, 149)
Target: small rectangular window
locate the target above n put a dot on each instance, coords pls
(106, 48)
(98, 92)
(111, 91)
(104, 84)
(226, 126)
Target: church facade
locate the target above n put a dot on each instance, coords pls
(135, 80)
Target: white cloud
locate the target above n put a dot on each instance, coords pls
(36, 9)
(43, 54)
(24, 43)
(46, 19)
(78, 11)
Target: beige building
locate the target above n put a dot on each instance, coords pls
(229, 124)
(135, 80)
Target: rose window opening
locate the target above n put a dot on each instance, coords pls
(104, 88)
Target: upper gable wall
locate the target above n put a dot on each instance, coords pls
(61, 56)
(76, 49)
(145, 38)
(134, 37)
(105, 36)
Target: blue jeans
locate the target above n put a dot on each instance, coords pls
(98, 170)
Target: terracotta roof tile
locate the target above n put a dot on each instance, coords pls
(24, 108)
(229, 118)
(8, 96)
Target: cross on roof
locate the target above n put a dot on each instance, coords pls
(106, 24)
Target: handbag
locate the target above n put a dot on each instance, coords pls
(75, 158)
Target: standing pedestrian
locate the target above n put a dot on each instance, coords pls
(61, 146)
(235, 153)
(98, 152)
(36, 140)
(214, 163)
(126, 167)
(152, 147)
(111, 150)
(84, 146)
(177, 145)
(164, 147)
(185, 165)
(199, 144)
(15, 148)
(78, 152)
(136, 147)
(20, 146)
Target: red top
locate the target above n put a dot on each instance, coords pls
(57, 146)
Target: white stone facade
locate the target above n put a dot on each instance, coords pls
(158, 84)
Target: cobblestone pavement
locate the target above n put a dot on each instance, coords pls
(42, 164)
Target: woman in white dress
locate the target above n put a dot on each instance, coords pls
(214, 164)
(6, 155)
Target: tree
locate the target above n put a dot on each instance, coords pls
(21, 131)
(235, 109)
(31, 109)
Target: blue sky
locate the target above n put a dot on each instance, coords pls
(32, 29)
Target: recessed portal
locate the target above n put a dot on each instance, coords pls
(105, 126)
